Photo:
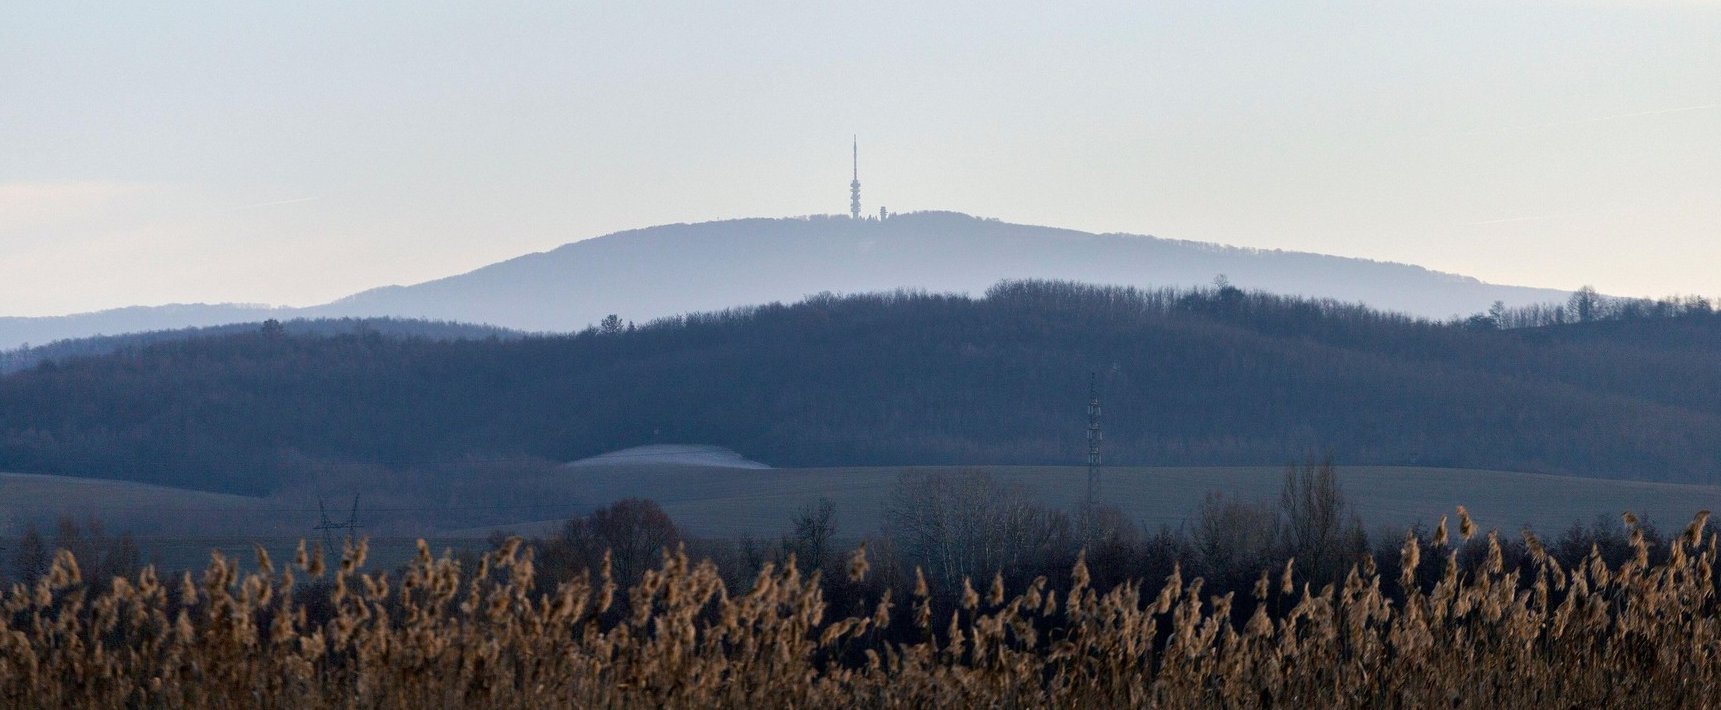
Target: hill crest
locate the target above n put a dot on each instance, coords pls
(1209, 376)
(653, 272)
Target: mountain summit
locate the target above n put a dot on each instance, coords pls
(650, 273)
(660, 271)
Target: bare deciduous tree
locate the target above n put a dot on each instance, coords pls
(966, 525)
(634, 531)
(1234, 538)
(815, 526)
(1317, 526)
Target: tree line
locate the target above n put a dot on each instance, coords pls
(28, 356)
(1203, 376)
(1586, 305)
(948, 534)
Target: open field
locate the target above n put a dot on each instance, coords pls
(722, 502)
(121, 505)
(180, 527)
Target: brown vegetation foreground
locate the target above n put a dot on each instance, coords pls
(1591, 636)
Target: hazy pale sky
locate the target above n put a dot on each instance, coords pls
(292, 153)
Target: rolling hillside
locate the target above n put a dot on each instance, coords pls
(1199, 377)
(18, 332)
(668, 270)
(25, 358)
(663, 271)
(31, 499)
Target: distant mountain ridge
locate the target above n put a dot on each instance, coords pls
(650, 273)
(21, 331)
(59, 350)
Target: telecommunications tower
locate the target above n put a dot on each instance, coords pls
(854, 187)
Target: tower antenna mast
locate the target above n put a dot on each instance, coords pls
(854, 187)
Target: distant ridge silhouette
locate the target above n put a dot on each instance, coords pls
(649, 273)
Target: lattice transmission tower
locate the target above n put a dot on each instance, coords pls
(1095, 436)
(329, 526)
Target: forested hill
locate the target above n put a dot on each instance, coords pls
(644, 274)
(27, 357)
(1207, 376)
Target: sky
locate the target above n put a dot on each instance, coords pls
(294, 153)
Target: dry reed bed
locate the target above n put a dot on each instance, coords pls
(432, 637)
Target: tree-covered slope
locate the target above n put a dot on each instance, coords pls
(644, 274)
(27, 357)
(671, 269)
(1208, 376)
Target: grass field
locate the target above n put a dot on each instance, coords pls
(122, 506)
(179, 526)
(722, 502)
